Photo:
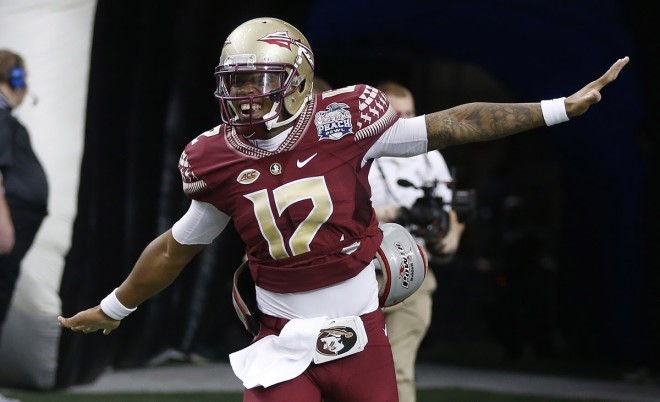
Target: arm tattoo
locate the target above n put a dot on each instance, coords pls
(474, 122)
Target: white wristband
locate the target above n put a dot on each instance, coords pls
(113, 308)
(554, 111)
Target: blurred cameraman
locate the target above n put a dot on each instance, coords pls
(398, 195)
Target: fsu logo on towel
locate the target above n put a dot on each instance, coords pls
(335, 341)
(334, 122)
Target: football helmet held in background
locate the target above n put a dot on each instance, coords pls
(401, 265)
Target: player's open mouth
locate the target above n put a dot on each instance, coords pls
(248, 109)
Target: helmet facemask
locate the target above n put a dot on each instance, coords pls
(243, 90)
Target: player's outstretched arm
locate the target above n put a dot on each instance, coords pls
(158, 266)
(480, 121)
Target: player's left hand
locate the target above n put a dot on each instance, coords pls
(579, 102)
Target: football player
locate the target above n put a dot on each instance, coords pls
(290, 168)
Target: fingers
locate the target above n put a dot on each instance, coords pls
(71, 323)
(87, 326)
(76, 326)
(579, 102)
(612, 73)
(64, 322)
(88, 329)
(617, 67)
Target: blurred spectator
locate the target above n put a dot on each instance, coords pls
(408, 321)
(23, 182)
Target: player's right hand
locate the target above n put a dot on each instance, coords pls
(88, 321)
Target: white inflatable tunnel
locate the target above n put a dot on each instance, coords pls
(54, 37)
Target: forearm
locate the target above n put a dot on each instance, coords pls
(159, 265)
(7, 235)
(443, 249)
(5, 214)
(387, 213)
(479, 121)
(453, 238)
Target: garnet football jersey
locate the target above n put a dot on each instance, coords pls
(304, 209)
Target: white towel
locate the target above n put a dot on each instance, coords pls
(275, 359)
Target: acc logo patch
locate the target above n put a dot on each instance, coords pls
(248, 176)
(335, 341)
(334, 122)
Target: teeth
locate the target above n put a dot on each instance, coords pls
(246, 107)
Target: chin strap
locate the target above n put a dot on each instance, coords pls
(296, 81)
(271, 124)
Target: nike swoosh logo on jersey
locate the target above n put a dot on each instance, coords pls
(306, 161)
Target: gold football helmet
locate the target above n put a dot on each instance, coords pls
(275, 61)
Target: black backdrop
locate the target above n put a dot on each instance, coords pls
(150, 92)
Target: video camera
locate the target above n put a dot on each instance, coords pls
(427, 216)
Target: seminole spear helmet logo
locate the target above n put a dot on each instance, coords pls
(282, 39)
